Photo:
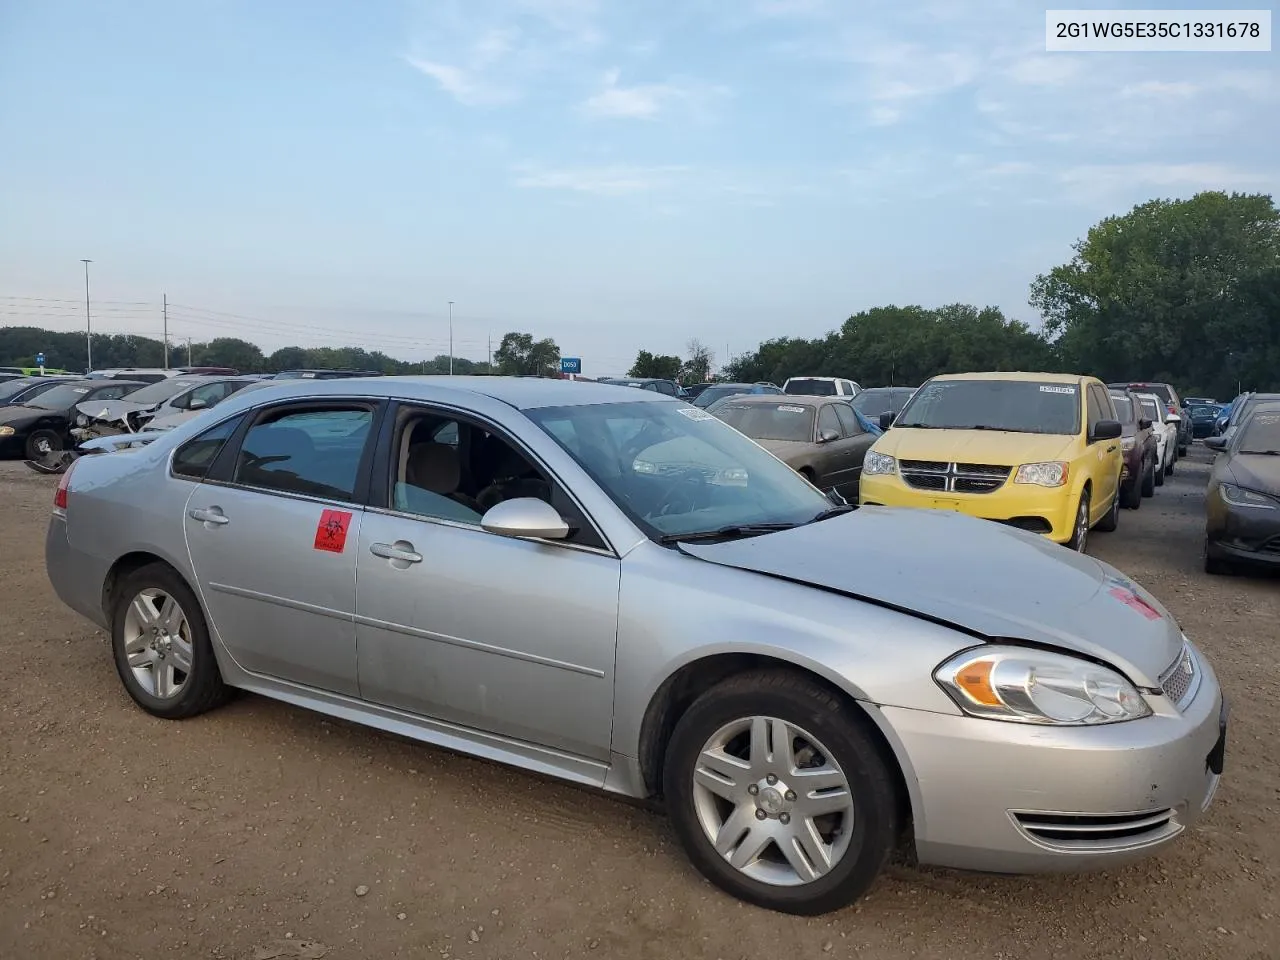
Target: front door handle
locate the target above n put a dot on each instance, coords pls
(401, 550)
(213, 515)
(1111, 449)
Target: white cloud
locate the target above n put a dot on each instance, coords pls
(644, 101)
(607, 181)
(466, 86)
(1160, 89)
(1045, 70)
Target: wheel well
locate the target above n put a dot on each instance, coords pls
(121, 569)
(682, 688)
(806, 472)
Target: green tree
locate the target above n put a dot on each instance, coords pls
(520, 355)
(697, 367)
(286, 358)
(231, 352)
(657, 365)
(1178, 290)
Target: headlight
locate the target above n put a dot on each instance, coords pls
(82, 420)
(1127, 443)
(1050, 474)
(6, 431)
(1240, 497)
(878, 464)
(1023, 685)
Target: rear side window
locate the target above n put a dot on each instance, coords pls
(312, 452)
(847, 420)
(194, 457)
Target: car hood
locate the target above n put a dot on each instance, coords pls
(989, 580)
(787, 450)
(1257, 472)
(973, 446)
(111, 409)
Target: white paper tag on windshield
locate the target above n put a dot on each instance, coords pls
(1045, 388)
(694, 413)
(790, 409)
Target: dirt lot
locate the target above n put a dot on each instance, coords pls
(251, 832)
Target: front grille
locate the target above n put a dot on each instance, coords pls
(1090, 833)
(1179, 681)
(1271, 546)
(952, 477)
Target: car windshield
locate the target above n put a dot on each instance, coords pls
(1124, 408)
(808, 386)
(1016, 406)
(62, 397)
(710, 395)
(11, 388)
(768, 421)
(1161, 390)
(878, 400)
(161, 390)
(678, 470)
(1204, 411)
(1261, 432)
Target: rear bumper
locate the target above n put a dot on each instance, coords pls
(77, 578)
(1010, 798)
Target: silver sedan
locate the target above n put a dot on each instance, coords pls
(618, 589)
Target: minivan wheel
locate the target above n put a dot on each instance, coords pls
(161, 645)
(778, 795)
(1080, 534)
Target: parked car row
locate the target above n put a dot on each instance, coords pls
(617, 588)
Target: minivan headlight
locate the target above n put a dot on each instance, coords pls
(1050, 474)
(1023, 685)
(878, 464)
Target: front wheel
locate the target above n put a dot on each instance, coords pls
(779, 795)
(1149, 481)
(43, 444)
(1080, 533)
(1214, 566)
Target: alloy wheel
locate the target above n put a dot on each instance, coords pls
(772, 801)
(157, 643)
(1082, 525)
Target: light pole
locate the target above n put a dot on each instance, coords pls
(451, 338)
(88, 327)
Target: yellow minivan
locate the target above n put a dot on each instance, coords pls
(1039, 451)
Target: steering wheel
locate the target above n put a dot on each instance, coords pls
(683, 496)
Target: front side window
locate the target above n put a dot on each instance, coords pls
(769, 421)
(680, 470)
(827, 420)
(316, 452)
(1016, 406)
(194, 458)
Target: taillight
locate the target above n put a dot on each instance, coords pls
(64, 485)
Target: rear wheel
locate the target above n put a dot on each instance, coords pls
(1080, 532)
(161, 645)
(1149, 480)
(779, 795)
(1112, 520)
(1159, 474)
(43, 444)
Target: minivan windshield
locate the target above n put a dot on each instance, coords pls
(768, 421)
(1015, 406)
(677, 470)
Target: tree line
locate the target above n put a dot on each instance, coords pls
(1186, 291)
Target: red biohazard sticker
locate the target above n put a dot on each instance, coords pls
(1131, 599)
(331, 531)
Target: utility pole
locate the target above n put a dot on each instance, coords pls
(189, 363)
(451, 338)
(489, 355)
(88, 326)
(166, 332)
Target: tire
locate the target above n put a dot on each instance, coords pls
(183, 641)
(1158, 472)
(43, 444)
(1130, 496)
(698, 802)
(1109, 523)
(1149, 481)
(1080, 535)
(1214, 566)
(1168, 470)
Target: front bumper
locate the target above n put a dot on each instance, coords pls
(1050, 512)
(1014, 798)
(1244, 534)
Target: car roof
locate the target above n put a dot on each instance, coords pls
(1016, 375)
(520, 392)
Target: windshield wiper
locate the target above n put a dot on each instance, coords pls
(830, 512)
(733, 530)
(1262, 453)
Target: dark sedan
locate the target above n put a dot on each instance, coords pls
(1142, 468)
(41, 426)
(25, 388)
(821, 438)
(718, 391)
(1204, 417)
(1242, 502)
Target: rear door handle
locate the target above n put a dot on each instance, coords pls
(400, 550)
(213, 515)
(1111, 449)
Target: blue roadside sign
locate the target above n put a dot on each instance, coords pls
(39, 359)
(571, 365)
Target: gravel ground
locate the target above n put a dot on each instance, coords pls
(262, 831)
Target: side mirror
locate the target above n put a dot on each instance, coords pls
(1216, 443)
(886, 420)
(525, 517)
(198, 404)
(1106, 430)
(1144, 423)
(826, 436)
(1173, 418)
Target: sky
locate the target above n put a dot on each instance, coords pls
(614, 175)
